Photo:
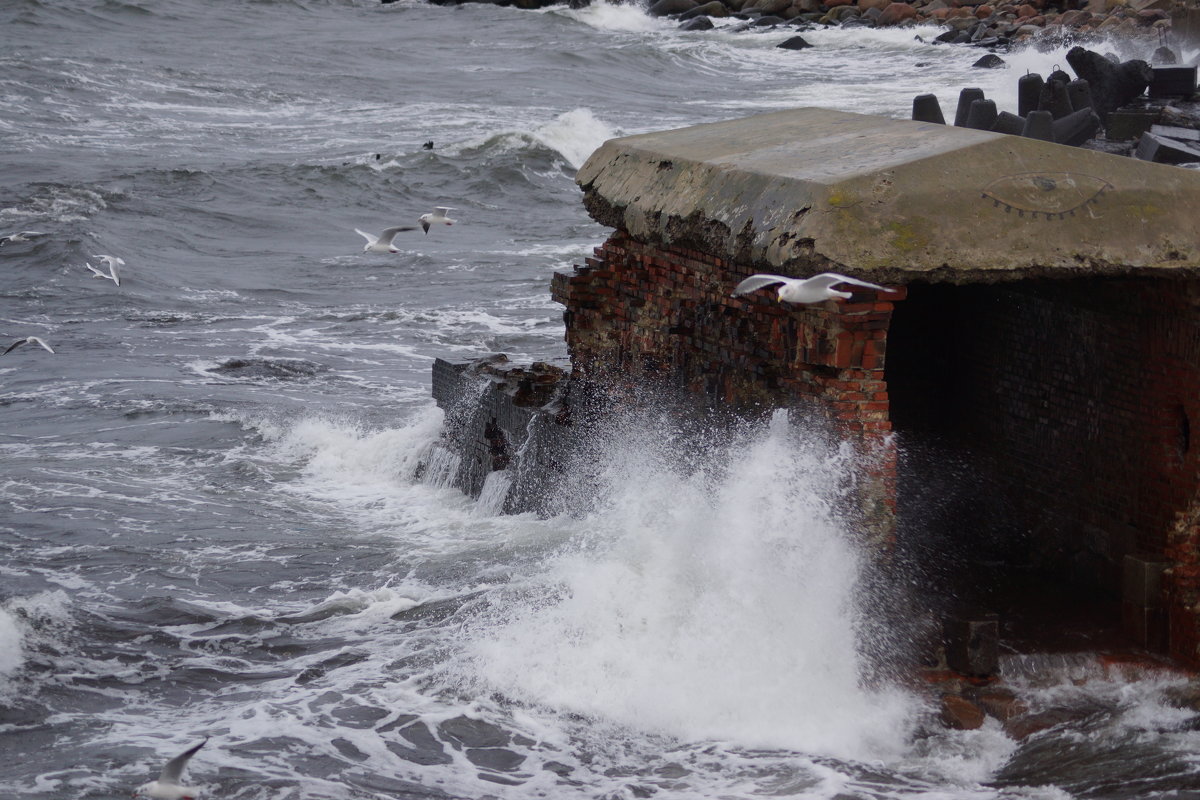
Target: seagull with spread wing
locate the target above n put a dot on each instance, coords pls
(168, 787)
(436, 217)
(816, 289)
(112, 262)
(28, 340)
(383, 242)
(20, 236)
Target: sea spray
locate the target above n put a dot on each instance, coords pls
(12, 651)
(494, 493)
(704, 603)
(30, 627)
(617, 18)
(574, 134)
(570, 136)
(341, 454)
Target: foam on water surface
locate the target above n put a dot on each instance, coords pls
(212, 517)
(711, 605)
(12, 650)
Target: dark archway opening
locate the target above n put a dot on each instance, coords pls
(1016, 408)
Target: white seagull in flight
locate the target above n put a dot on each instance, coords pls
(112, 262)
(436, 217)
(168, 787)
(816, 289)
(20, 236)
(28, 340)
(383, 242)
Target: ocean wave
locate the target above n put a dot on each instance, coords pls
(256, 368)
(32, 629)
(51, 203)
(365, 607)
(12, 649)
(715, 583)
(572, 136)
(619, 17)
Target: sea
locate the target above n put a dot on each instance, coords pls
(215, 523)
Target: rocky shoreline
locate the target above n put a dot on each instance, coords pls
(978, 22)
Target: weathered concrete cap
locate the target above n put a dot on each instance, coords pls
(796, 191)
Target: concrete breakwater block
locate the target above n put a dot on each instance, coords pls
(1124, 125)
(1173, 82)
(790, 190)
(1102, 108)
(1166, 150)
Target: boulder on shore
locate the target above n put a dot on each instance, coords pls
(895, 13)
(961, 714)
(1112, 85)
(664, 8)
(714, 8)
(795, 43)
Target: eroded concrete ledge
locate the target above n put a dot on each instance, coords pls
(813, 189)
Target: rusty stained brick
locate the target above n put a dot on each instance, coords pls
(639, 310)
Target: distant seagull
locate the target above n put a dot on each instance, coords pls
(168, 787)
(436, 217)
(112, 262)
(28, 340)
(382, 244)
(816, 289)
(20, 236)
(428, 145)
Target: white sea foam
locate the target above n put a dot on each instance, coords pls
(370, 475)
(28, 623)
(342, 456)
(12, 650)
(57, 204)
(575, 134)
(494, 493)
(358, 609)
(619, 17)
(706, 606)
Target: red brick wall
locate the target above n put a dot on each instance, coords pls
(637, 310)
(1182, 586)
(1082, 394)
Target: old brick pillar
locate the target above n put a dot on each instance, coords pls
(638, 311)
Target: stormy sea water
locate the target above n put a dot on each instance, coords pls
(213, 522)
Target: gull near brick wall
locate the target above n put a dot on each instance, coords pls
(637, 311)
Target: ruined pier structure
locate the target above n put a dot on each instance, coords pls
(1044, 331)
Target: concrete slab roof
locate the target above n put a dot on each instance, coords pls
(813, 189)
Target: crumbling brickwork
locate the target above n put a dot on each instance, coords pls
(1182, 585)
(640, 311)
(1080, 394)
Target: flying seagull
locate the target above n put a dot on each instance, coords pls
(816, 289)
(20, 236)
(168, 787)
(28, 340)
(436, 217)
(382, 243)
(112, 262)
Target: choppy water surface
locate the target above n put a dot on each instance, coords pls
(211, 521)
